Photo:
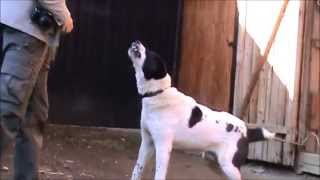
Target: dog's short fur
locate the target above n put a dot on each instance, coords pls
(170, 119)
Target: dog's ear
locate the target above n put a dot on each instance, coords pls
(154, 66)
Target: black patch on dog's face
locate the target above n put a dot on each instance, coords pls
(154, 66)
(241, 154)
(196, 116)
(229, 127)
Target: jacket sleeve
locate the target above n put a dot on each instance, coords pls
(58, 8)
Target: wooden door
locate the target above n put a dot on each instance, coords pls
(206, 51)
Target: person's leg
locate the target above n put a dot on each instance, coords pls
(23, 58)
(4, 141)
(38, 107)
(29, 139)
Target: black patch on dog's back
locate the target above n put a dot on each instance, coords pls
(196, 116)
(241, 154)
(154, 66)
(229, 127)
(255, 134)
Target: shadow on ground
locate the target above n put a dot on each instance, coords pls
(99, 153)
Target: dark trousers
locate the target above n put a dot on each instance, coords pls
(23, 99)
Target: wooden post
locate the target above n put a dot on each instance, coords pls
(262, 61)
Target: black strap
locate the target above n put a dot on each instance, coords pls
(151, 94)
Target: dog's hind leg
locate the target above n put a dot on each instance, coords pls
(225, 156)
(145, 153)
(231, 171)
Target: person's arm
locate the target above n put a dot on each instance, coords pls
(60, 12)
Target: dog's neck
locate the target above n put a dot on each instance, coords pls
(151, 86)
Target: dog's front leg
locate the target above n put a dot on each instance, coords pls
(163, 151)
(145, 152)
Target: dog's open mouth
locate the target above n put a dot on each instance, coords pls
(135, 49)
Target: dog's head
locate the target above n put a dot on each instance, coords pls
(146, 61)
(150, 68)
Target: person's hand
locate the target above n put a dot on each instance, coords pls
(68, 25)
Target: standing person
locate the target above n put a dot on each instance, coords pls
(29, 43)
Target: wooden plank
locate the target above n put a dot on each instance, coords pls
(314, 88)
(273, 116)
(262, 94)
(239, 61)
(247, 66)
(252, 113)
(315, 114)
(310, 80)
(238, 88)
(291, 120)
(253, 108)
(312, 145)
(310, 168)
(305, 71)
(246, 50)
(242, 62)
(294, 63)
(316, 43)
(310, 158)
(267, 106)
(254, 99)
(315, 120)
(309, 162)
(298, 77)
(315, 56)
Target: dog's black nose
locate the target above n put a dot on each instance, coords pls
(137, 42)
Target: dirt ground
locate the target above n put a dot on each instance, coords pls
(72, 152)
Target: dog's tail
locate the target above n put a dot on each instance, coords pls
(259, 134)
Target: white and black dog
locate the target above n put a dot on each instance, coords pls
(170, 119)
